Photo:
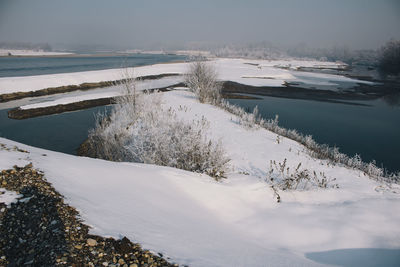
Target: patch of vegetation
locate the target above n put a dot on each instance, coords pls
(320, 151)
(201, 79)
(140, 129)
(284, 178)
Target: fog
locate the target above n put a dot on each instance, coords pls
(156, 24)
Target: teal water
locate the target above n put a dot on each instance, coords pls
(371, 131)
(61, 132)
(25, 66)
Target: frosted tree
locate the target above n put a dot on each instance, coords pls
(201, 79)
(141, 129)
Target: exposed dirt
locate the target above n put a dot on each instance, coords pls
(71, 88)
(20, 114)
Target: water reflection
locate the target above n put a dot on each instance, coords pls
(392, 100)
(358, 257)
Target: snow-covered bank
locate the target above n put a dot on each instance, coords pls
(108, 92)
(17, 52)
(236, 222)
(34, 83)
(249, 72)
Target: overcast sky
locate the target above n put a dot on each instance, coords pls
(141, 23)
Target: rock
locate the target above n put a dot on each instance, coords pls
(91, 242)
(32, 230)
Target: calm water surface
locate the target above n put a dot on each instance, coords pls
(371, 131)
(62, 132)
(25, 66)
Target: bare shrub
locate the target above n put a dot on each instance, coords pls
(284, 178)
(201, 79)
(140, 129)
(281, 177)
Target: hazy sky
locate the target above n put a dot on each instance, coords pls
(139, 23)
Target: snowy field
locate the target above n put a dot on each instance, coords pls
(17, 52)
(249, 72)
(111, 91)
(235, 222)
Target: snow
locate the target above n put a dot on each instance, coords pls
(18, 52)
(266, 73)
(8, 197)
(33, 83)
(236, 222)
(69, 100)
(257, 73)
(108, 92)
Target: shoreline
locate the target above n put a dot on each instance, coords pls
(20, 114)
(64, 237)
(230, 90)
(70, 88)
(360, 93)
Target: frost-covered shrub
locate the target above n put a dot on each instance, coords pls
(247, 119)
(321, 151)
(201, 79)
(140, 129)
(281, 177)
(284, 178)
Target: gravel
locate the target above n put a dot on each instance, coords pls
(41, 230)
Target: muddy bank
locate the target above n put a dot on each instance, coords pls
(360, 92)
(20, 114)
(233, 90)
(239, 96)
(71, 88)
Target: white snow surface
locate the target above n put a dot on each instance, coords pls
(236, 222)
(8, 197)
(257, 73)
(24, 52)
(37, 82)
(107, 92)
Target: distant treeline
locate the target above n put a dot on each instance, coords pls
(336, 53)
(25, 46)
(389, 59)
(269, 51)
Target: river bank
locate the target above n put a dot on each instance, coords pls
(81, 87)
(38, 227)
(165, 203)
